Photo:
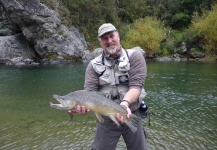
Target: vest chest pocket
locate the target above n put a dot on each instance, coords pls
(107, 77)
(122, 78)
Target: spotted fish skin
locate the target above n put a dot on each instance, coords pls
(97, 103)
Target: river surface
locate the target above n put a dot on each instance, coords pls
(182, 97)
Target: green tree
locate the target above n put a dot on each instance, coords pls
(176, 13)
(87, 16)
(180, 20)
(146, 33)
(206, 29)
(128, 10)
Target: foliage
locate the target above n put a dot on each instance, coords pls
(206, 29)
(87, 15)
(146, 33)
(180, 20)
(173, 42)
(176, 15)
(129, 11)
(50, 3)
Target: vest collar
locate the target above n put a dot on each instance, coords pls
(122, 60)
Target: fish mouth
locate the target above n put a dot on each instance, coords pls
(58, 98)
(59, 106)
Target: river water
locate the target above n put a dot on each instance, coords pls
(182, 97)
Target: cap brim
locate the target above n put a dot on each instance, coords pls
(99, 36)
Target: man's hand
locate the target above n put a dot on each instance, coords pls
(79, 110)
(121, 118)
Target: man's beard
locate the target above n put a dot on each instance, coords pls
(112, 51)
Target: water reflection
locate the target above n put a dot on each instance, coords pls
(181, 96)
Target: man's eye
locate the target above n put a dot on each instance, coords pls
(104, 38)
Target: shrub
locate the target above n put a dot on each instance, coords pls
(180, 20)
(206, 28)
(146, 33)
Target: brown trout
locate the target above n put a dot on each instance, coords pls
(100, 105)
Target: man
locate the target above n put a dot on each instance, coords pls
(119, 75)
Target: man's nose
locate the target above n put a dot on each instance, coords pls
(109, 40)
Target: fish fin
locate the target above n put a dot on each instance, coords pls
(132, 122)
(112, 117)
(71, 117)
(99, 117)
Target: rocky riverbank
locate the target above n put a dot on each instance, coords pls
(31, 34)
(30, 30)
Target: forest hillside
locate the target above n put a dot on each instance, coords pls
(160, 27)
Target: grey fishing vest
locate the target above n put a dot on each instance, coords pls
(113, 77)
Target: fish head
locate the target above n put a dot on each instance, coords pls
(59, 98)
(65, 104)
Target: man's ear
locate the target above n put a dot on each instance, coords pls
(118, 35)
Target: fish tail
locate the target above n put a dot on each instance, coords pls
(132, 122)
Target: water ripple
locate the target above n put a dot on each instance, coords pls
(181, 98)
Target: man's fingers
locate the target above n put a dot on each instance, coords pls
(83, 109)
(120, 118)
(80, 110)
(78, 107)
(128, 112)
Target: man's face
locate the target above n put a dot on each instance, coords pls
(110, 43)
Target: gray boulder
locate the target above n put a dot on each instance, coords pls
(41, 28)
(19, 61)
(15, 46)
